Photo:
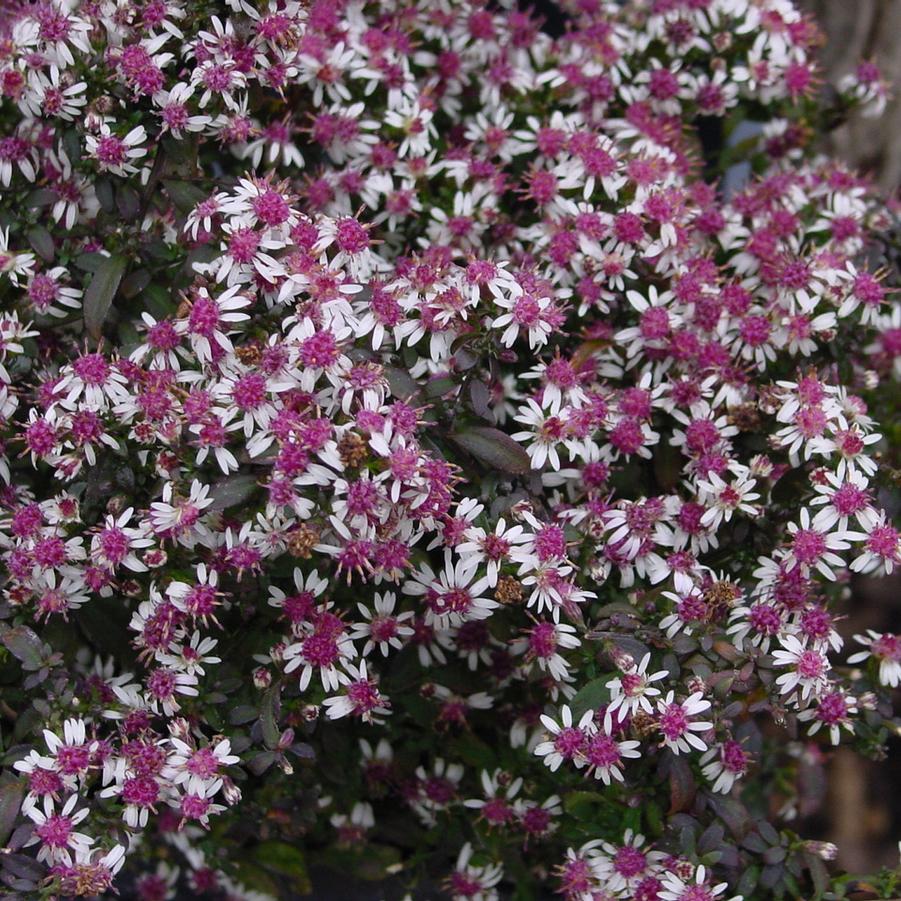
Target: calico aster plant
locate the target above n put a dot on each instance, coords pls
(427, 453)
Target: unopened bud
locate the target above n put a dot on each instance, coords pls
(179, 727)
(824, 850)
(262, 678)
(696, 684)
(230, 791)
(622, 660)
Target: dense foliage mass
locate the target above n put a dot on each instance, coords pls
(418, 460)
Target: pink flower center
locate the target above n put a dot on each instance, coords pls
(887, 647)
(142, 791)
(73, 759)
(271, 208)
(629, 861)
(808, 545)
(383, 628)
(811, 665)
(543, 640)
(320, 650)
(55, 831)
(569, 742)
(111, 150)
(364, 695)
(602, 751)
(883, 541)
(832, 709)
(202, 763)
(92, 369)
(733, 757)
(673, 721)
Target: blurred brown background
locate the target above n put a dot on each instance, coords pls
(871, 30)
(862, 812)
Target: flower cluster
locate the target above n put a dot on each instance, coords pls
(418, 444)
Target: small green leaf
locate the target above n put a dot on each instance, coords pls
(494, 448)
(591, 696)
(286, 860)
(584, 805)
(100, 293)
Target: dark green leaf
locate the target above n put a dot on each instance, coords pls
(439, 386)
(25, 646)
(748, 881)
(494, 448)
(100, 293)
(255, 877)
(682, 787)
(42, 242)
(480, 399)
(88, 262)
(105, 196)
(232, 490)
(268, 718)
(261, 762)
(23, 866)
(104, 622)
(128, 202)
(733, 814)
(304, 752)
(10, 801)
(134, 283)
(242, 714)
(183, 194)
(40, 198)
(401, 384)
(72, 145)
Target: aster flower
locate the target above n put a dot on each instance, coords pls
(55, 831)
(885, 649)
(808, 668)
(567, 742)
(632, 691)
(676, 724)
(473, 883)
(723, 765)
(677, 888)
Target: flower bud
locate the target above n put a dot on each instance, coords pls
(696, 684)
(823, 850)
